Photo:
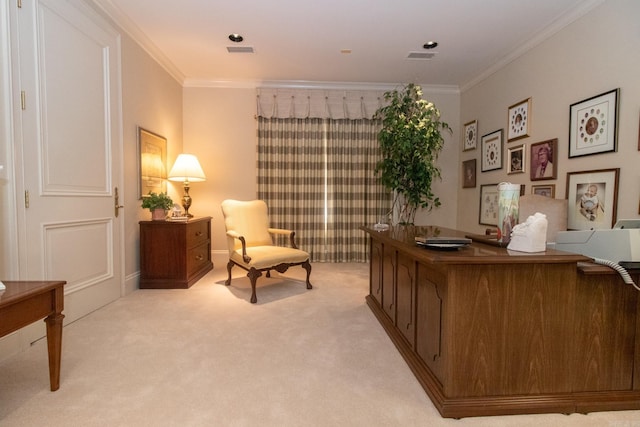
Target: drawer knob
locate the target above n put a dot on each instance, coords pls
(198, 233)
(199, 257)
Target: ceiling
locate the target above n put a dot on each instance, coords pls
(301, 42)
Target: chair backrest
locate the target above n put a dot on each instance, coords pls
(554, 209)
(249, 219)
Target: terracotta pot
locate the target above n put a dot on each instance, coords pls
(158, 214)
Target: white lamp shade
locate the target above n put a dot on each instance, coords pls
(187, 168)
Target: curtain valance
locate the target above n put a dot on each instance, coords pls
(318, 103)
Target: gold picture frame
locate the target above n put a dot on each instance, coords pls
(152, 162)
(470, 135)
(516, 159)
(519, 120)
(547, 190)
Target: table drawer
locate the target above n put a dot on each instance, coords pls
(197, 233)
(198, 257)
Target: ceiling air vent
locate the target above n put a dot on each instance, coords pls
(239, 49)
(421, 55)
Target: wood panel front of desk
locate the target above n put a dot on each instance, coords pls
(487, 331)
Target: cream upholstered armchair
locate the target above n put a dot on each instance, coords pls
(250, 243)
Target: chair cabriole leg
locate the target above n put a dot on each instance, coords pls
(253, 277)
(307, 266)
(229, 267)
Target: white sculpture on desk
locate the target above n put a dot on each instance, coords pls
(2, 288)
(531, 235)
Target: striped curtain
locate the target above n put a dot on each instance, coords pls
(317, 177)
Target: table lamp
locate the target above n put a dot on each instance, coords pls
(186, 169)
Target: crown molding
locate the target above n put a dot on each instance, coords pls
(304, 84)
(131, 28)
(562, 22)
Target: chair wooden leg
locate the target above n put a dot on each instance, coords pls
(230, 265)
(253, 277)
(307, 267)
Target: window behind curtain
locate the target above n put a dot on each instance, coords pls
(317, 177)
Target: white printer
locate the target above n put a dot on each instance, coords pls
(620, 244)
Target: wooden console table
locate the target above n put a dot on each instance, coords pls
(25, 302)
(488, 331)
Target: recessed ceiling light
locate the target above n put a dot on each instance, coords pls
(430, 45)
(236, 38)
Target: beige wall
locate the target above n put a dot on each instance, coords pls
(448, 102)
(151, 99)
(595, 54)
(220, 129)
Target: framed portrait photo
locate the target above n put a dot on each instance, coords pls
(492, 151)
(152, 162)
(469, 173)
(593, 127)
(519, 120)
(544, 164)
(515, 159)
(470, 135)
(593, 198)
(489, 204)
(548, 190)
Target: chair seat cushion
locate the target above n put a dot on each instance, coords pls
(269, 256)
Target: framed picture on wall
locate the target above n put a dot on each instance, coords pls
(470, 135)
(469, 173)
(593, 198)
(152, 162)
(515, 159)
(519, 120)
(492, 151)
(593, 125)
(548, 190)
(488, 204)
(543, 157)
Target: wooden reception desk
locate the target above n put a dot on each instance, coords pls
(488, 331)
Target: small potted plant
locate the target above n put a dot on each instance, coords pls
(158, 204)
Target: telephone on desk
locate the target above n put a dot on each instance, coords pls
(618, 248)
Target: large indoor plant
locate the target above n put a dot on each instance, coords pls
(158, 204)
(410, 141)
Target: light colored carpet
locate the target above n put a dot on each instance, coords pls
(207, 357)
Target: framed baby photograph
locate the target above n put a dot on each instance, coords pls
(543, 161)
(593, 199)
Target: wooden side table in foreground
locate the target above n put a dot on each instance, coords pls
(25, 302)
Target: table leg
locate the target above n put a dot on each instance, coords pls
(54, 347)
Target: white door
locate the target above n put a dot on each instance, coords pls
(69, 61)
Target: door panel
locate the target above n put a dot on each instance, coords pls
(71, 127)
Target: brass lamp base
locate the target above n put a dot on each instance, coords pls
(186, 200)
